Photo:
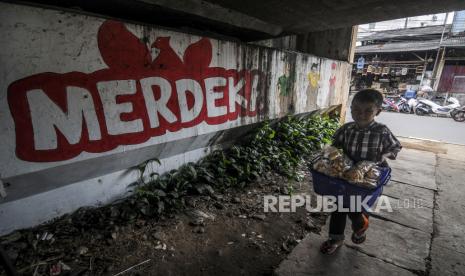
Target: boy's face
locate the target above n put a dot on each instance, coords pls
(364, 113)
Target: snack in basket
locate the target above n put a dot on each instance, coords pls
(333, 172)
(365, 166)
(322, 165)
(373, 175)
(353, 175)
(331, 153)
(332, 162)
(364, 174)
(334, 155)
(342, 163)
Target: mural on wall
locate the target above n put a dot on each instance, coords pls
(332, 80)
(58, 116)
(285, 82)
(83, 99)
(313, 86)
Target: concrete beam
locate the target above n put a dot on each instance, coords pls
(337, 44)
(220, 14)
(258, 19)
(298, 16)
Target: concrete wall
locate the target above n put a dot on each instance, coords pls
(83, 99)
(336, 44)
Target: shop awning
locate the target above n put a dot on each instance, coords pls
(454, 42)
(410, 46)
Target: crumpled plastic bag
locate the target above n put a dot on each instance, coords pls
(332, 162)
(364, 174)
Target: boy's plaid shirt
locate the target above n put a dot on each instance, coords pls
(370, 143)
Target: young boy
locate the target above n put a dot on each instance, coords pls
(363, 139)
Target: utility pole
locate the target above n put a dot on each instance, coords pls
(435, 67)
(406, 23)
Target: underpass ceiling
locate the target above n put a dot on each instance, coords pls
(257, 19)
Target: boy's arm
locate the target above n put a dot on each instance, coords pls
(391, 146)
(338, 137)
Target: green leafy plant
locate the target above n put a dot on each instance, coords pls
(279, 147)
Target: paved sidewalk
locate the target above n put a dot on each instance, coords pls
(429, 240)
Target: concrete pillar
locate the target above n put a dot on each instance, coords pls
(335, 44)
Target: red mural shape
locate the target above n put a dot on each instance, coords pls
(120, 49)
(129, 62)
(167, 59)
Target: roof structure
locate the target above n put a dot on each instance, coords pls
(411, 40)
(257, 19)
(409, 46)
(407, 34)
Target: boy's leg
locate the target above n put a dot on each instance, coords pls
(359, 226)
(337, 224)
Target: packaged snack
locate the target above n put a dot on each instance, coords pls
(365, 166)
(353, 175)
(364, 174)
(373, 174)
(331, 153)
(342, 163)
(332, 162)
(322, 165)
(333, 172)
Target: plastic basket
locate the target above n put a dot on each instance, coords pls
(325, 185)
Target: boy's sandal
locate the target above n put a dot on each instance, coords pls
(359, 236)
(330, 246)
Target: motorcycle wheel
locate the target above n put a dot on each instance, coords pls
(459, 116)
(420, 112)
(405, 108)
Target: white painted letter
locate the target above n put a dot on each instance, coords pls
(212, 109)
(46, 115)
(234, 96)
(254, 94)
(108, 91)
(182, 87)
(157, 106)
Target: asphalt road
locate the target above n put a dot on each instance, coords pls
(432, 128)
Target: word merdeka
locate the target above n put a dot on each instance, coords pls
(59, 116)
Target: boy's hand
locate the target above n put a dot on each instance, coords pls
(389, 155)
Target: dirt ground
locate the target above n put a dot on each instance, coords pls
(222, 234)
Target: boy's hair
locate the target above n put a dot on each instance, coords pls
(369, 96)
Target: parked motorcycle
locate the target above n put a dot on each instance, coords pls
(412, 105)
(458, 114)
(425, 107)
(400, 105)
(403, 105)
(389, 105)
